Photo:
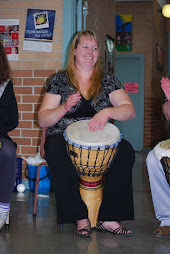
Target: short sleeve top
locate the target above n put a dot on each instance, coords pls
(84, 109)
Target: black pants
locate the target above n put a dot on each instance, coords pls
(117, 202)
(8, 169)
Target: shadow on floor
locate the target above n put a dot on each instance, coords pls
(42, 235)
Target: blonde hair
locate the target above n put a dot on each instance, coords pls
(95, 81)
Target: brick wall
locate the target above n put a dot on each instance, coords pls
(167, 30)
(148, 30)
(31, 71)
(101, 20)
(154, 92)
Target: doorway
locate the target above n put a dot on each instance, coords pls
(129, 69)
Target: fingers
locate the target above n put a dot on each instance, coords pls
(72, 100)
(165, 81)
(165, 85)
(97, 122)
(95, 126)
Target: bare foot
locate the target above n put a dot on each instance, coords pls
(83, 227)
(82, 224)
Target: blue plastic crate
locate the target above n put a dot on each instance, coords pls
(45, 182)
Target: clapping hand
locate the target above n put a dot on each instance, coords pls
(72, 101)
(165, 85)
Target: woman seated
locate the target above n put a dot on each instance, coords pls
(160, 187)
(84, 92)
(8, 122)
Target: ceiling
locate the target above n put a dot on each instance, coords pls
(161, 2)
(132, 0)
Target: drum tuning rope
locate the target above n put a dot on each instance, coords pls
(166, 167)
(92, 159)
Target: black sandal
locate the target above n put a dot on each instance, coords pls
(117, 231)
(86, 231)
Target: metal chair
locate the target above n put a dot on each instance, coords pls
(42, 153)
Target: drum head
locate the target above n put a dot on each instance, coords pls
(165, 144)
(77, 133)
(162, 149)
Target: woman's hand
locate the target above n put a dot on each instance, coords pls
(165, 84)
(122, 110)
(51, 111)
(72, 101)
(99, 120)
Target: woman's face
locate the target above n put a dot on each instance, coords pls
(8, 36)
(15, 42)
(14, 51)
(8, 29)
(86, 53)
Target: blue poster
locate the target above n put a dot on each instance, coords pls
(39, 24)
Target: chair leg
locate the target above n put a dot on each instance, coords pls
(37, 185)
(36, 189)
(7, 222)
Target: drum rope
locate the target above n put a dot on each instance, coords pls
(166, 167)
(98, 150)
(89, 169)
(89, 151)
(106, 151)
(92, 170)
(81, 156)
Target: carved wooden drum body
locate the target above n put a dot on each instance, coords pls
(162, 152)
(91, 154)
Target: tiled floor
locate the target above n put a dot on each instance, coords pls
(42, 235)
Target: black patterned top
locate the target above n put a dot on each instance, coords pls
(84, 109)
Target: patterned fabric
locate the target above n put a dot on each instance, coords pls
(166, 167)
(84, 109)
(91, 184)
(4, 209)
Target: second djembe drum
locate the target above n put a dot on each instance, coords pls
(91, 154)
(162, 152)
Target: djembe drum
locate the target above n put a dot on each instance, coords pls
(162, 152)
(91, 154)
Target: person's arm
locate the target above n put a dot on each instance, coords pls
(123, 110)
(166, 110)
(165, 85)
(8, 110)
(51, 111)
